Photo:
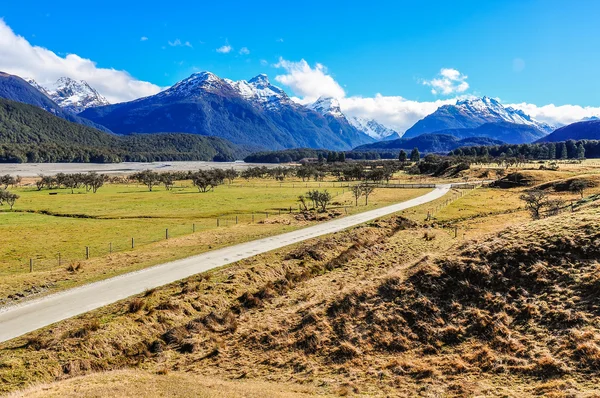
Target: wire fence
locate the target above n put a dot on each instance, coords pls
(71, 257)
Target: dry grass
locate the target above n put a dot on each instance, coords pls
(170, 384)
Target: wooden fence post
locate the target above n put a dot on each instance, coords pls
(87, 252)
(132, 243)
(167, 233)
(193, 227)
(30, 265)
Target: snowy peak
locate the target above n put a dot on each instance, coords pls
(490, 110)
(372, 128)
(195, 85)
(260, 91)
(71, 95)
(261, 79)
(327, 106)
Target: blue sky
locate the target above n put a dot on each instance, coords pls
(531, 52)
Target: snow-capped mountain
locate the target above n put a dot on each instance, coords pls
(193, 86)
(372, 128)
(253, 113)
(259, 90)
(328, 106)
(71, 95)
(472, 113)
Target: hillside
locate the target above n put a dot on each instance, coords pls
(510, 133)
(427, 143)
(246, 113)
(30, 134)
(587, 130)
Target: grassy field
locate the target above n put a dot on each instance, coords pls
(44, 225)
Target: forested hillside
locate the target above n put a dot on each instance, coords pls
(30, 134)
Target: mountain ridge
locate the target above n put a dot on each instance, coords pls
(247, 112)
(472, 113)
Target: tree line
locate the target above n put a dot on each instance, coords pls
(570, 149)
(92, 181)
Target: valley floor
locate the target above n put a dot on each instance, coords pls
(477, 300)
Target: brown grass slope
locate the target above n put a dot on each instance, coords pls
(525, 302)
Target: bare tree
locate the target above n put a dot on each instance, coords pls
(357, 192)
(578, 186)
(367, 190)
(535, 200)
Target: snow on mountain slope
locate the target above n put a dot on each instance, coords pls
(327, 106)
(71, 95)
(487, 107)
(372, 128)
(260, 90)
(472, 113)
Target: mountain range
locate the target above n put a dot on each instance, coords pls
(250, 112)
(472, 113)
(261, 116)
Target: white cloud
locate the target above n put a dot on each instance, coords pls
(143, 38)
(394, 112)
(557, 114)
(225, 49)
(19, 57)
(308, 83)
(179, 43)
(280, 40)
(448, 81)
(264, 62)
(244, 51)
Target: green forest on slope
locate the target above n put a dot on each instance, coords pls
(30, 134)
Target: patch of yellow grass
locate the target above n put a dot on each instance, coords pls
(131, 383)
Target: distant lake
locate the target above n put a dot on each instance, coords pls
(35, 169)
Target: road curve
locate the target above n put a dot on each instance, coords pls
(28, 316)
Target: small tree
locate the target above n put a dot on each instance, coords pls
(415, 156)
(302, 201)
(96, 181)
(578, 186)
(205, 180)
(11, 198)
(367, 190)
(402, 156)
(535, 200)
(323, 200)
(8, 197)
(7, 180)
(148, 178)
(357, 192)
(168, 180)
